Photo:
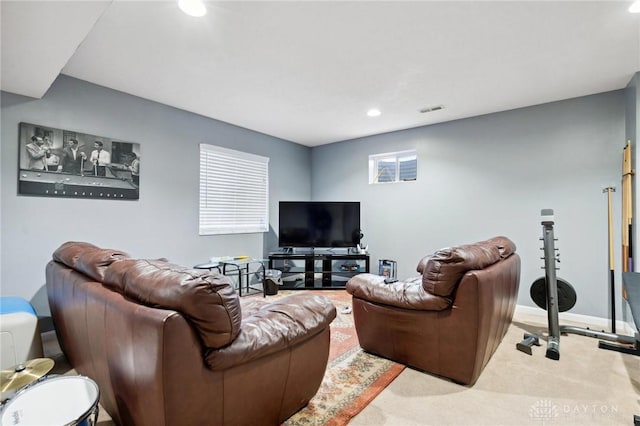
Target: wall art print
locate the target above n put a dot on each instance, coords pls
(65, 163)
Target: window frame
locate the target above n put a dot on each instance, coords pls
(397, 158)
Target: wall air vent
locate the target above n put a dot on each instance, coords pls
(431, 109)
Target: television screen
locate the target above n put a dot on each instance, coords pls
(319, 224)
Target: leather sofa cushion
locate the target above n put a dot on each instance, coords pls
(408, 294)
(271, 326)
(87, 258)
(506, 247)
(422, 264)
(207, 299)
(446, 267)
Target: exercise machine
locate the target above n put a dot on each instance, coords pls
(551, 303)
(556, 295)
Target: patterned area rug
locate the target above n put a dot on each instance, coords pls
(353, 377)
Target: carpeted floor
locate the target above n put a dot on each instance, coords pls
(353, 377)
(587, 386)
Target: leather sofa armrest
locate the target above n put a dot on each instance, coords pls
(408, 294)
(273, 327)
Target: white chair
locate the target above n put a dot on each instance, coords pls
(20, 338)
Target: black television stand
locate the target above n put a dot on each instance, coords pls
(317, 269)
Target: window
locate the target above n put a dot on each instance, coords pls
(234, 191)
(393, 167)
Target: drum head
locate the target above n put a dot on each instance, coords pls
(59, 400)
(566, 294)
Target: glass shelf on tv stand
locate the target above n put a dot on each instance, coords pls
(318, 269)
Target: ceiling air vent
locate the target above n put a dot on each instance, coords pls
(431, 109)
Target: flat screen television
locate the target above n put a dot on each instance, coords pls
(319, 224)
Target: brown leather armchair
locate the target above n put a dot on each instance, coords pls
(169, 345)
(449, 320)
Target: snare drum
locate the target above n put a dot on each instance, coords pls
(56, 400)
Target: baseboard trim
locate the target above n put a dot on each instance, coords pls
(605, 323)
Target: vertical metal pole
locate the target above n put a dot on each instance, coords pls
(612, 282)
(553, 343)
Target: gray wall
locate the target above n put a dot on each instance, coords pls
(491, 175)
(478, 177)
(164, 221)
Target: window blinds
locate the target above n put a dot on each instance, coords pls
(234, 191)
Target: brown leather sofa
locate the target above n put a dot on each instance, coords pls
(449, 320)
(169, 345)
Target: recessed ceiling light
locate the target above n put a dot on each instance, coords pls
(193, 7)
(373, 112)
(635, 7)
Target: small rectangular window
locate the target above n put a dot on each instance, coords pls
(393, 167)
(234, 191)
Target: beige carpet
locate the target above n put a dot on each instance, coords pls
(587, 386)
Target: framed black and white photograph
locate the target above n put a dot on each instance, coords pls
(64, 163)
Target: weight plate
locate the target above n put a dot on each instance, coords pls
(566, 294)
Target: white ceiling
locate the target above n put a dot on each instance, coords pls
(307, 71)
